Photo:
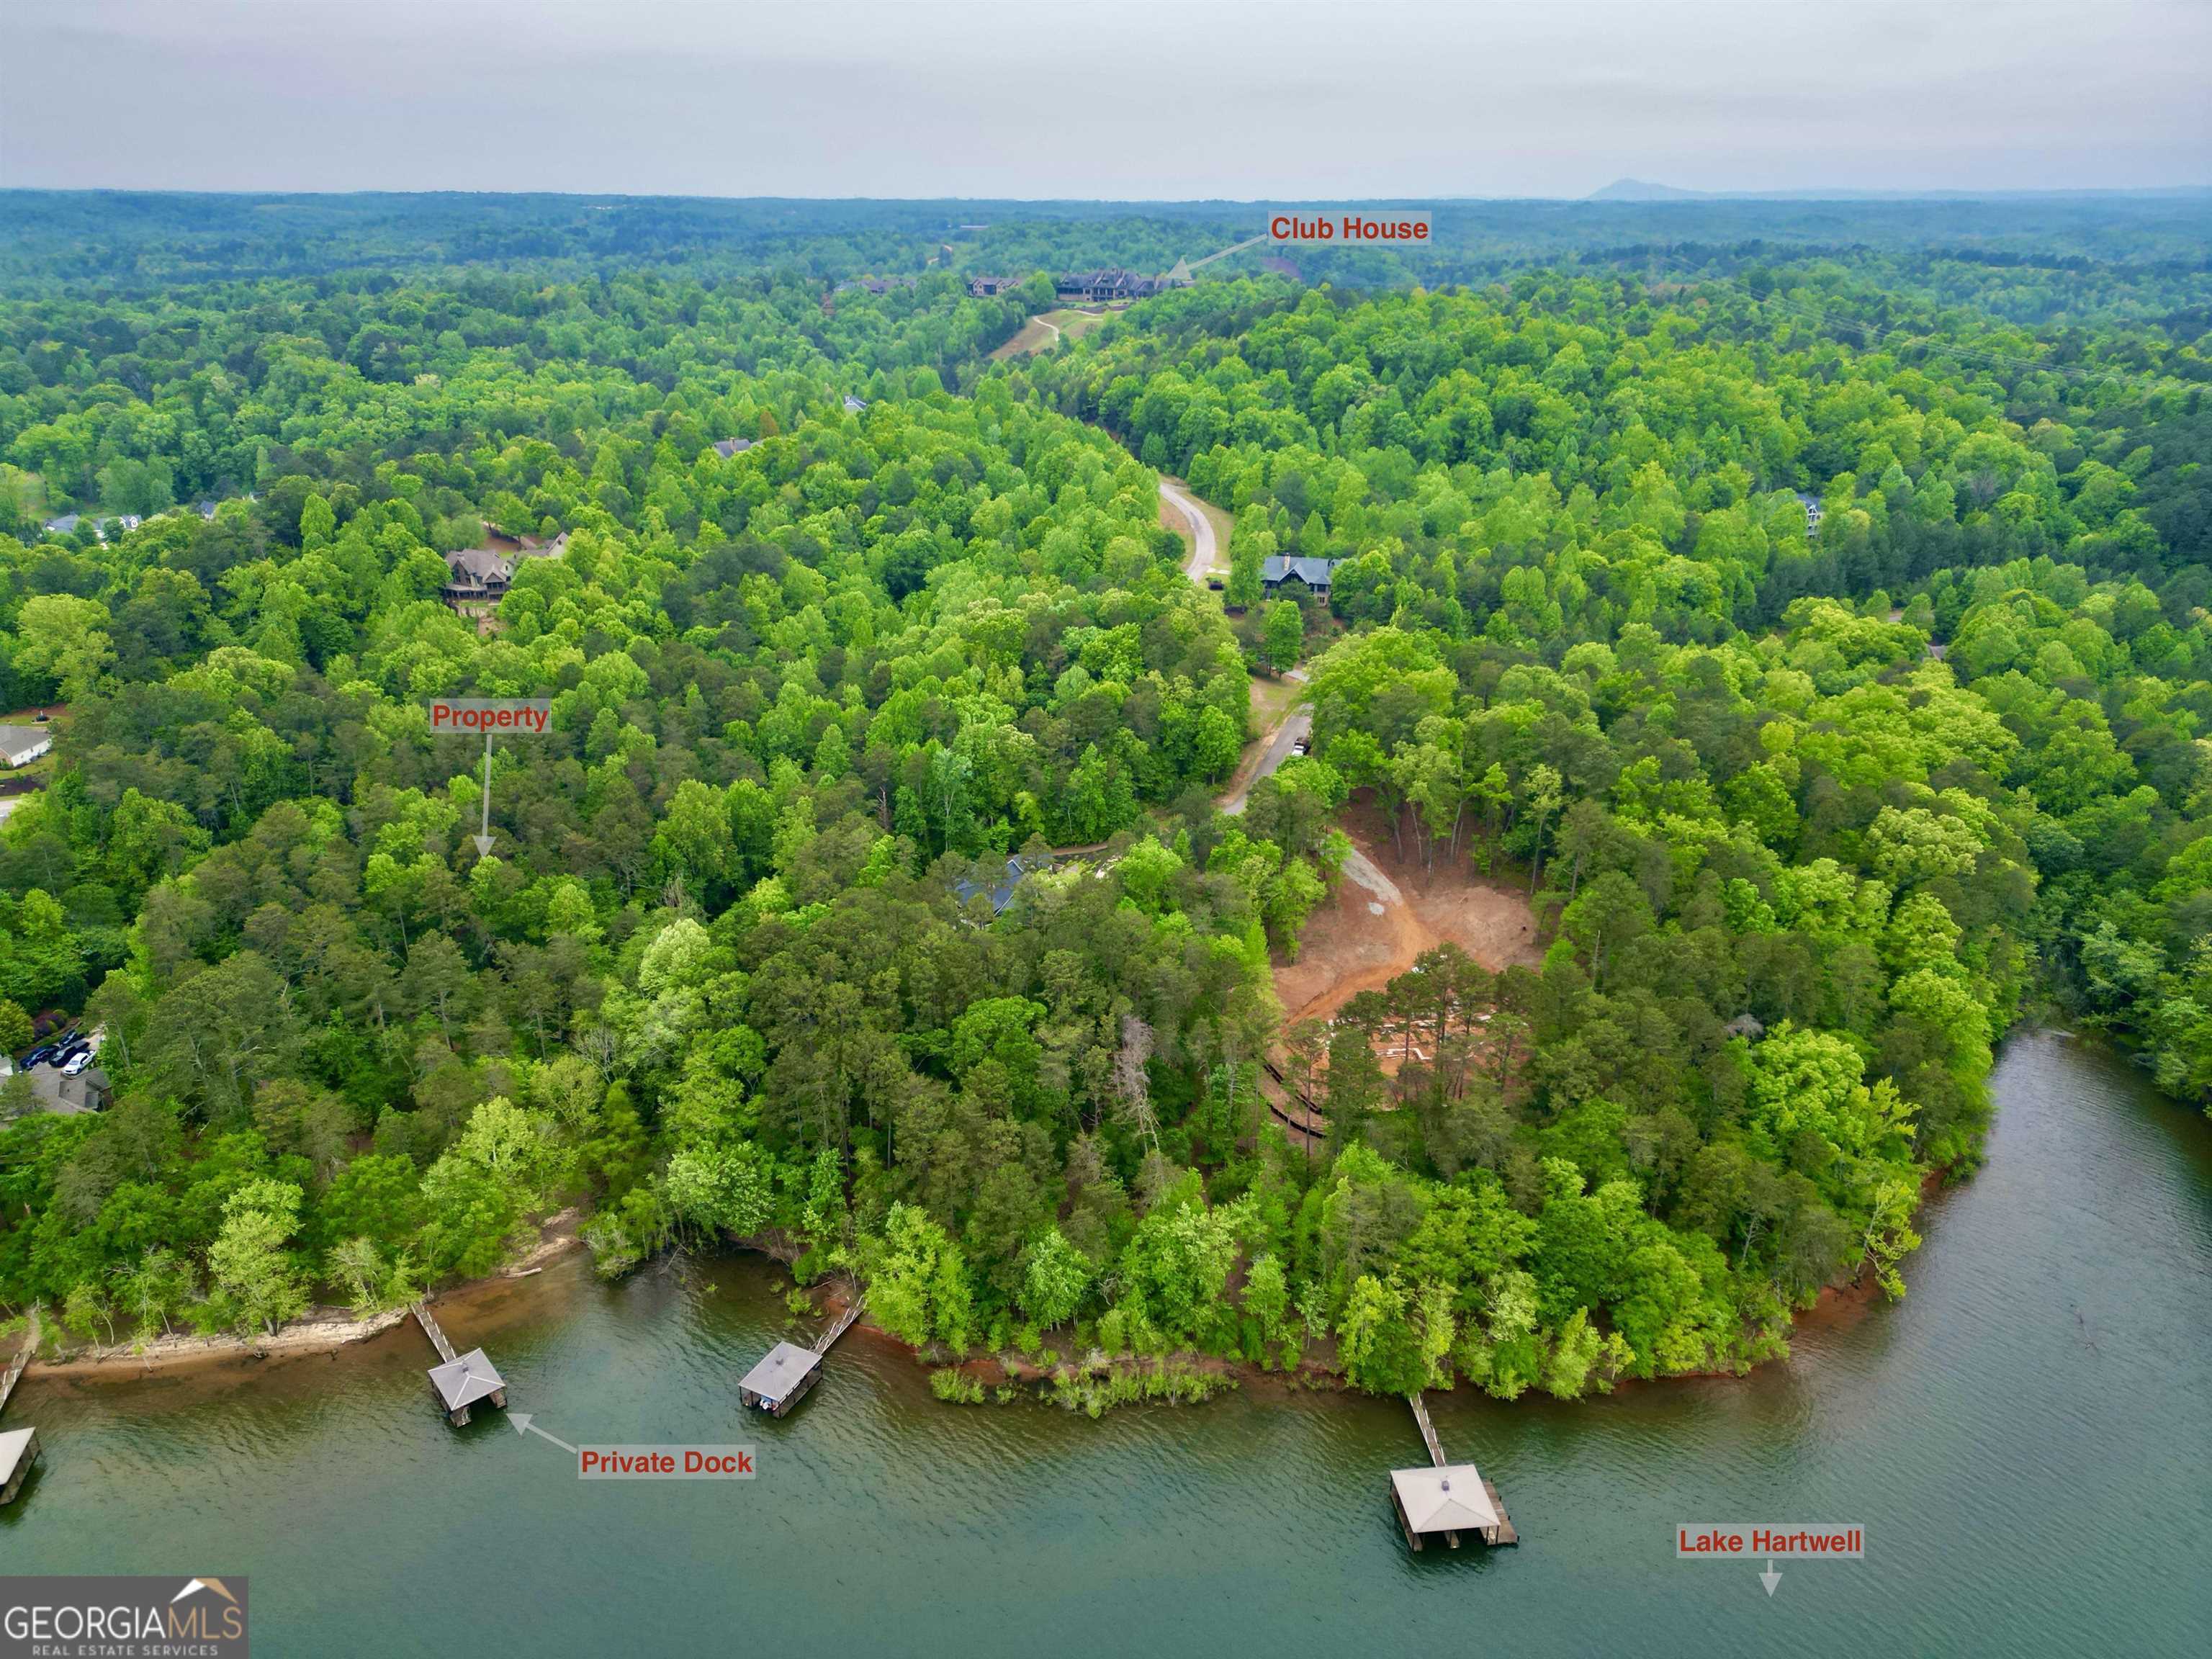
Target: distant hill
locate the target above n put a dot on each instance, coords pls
(1643, 189)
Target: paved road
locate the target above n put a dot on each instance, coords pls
(1296, 725)
(1202, 556)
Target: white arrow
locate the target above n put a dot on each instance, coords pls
(1770, 1577)
(484, 841)
(525, 1424)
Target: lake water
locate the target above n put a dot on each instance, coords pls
(2027, 1440)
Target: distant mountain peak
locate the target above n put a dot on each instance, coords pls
(1643, 189)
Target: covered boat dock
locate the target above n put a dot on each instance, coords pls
(781, 1380)
(19, 1449)
(460, 1380)
(1449, 1498)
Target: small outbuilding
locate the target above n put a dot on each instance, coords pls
(19, 1449)
(781, 1380)
(466, 1381)
(1451, 1499)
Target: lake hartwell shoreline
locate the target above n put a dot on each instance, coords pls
(329, 1330)
(325, 1331)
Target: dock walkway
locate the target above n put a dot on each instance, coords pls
(15, 1370)
(19, 1447)
(842, 1323)
(431, 1330)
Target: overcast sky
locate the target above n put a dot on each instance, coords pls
(1129, 100)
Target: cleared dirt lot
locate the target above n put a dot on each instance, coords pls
(1386, 912)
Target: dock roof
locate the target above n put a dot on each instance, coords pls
(465, 1381)
(14, 1445)
(1447, 1500)
(786, 1366)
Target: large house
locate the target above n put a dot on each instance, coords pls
(1113, 283)
(1089, 286)
(1276, 569)
(479, 575)
(482, 575)
(21, 745)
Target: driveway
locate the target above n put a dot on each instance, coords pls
(1202, 554)
(1297, 724)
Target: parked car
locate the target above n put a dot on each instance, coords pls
(74, 1066)
(49, 1052)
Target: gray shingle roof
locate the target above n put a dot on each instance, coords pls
(1002, 893)
(465, 1381)
(1314, 573)
(23, 740)
(14, 1442)
(786, 1366)
(1448, 1499)
(480, 566)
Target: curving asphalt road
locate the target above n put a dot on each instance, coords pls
(1296, 722)
(1202, 553)
(1293, 726)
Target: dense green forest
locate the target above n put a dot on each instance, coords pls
(1808, 814)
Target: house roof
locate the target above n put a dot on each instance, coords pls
(62, 525)
(480, 566)
(1002, 893)
(1314, 573)
(786, 1366)
(854, 405)
(729, 446)
(465, 1381)
(14, 1445)
(87, 1086)
(1448, 1499)
(21, 743)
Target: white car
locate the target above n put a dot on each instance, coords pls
(76, 1065)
